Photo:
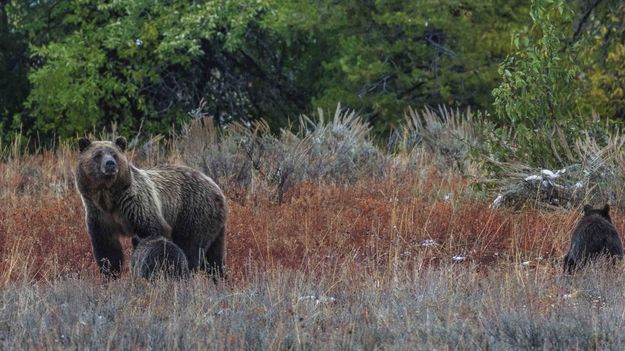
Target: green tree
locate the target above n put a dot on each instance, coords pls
(13, 70)
(147, 64)
(380, 56)
(541, 101)
(601, 27)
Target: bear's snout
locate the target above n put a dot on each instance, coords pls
(109, 165)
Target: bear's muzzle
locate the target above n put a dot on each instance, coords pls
(109, 166)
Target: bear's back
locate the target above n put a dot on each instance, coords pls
(183, 192)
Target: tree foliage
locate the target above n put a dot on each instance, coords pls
(387, 55)
(139, 64)
(602, 25)
(145, 64)
(540, 99)
(67, 67)
(13, 71)
(544, 102)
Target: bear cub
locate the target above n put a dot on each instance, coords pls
(594, 236)
(156, 257)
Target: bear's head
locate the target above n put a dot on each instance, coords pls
(603, 212)
(102, 163)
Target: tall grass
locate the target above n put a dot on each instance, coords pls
(333, 242)
(450, 306)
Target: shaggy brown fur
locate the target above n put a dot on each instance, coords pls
(175, 202)
(594, 236)
(158, 257)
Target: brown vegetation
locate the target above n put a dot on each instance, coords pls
(369, 224)
(407, 257)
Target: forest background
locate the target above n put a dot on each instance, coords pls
(143, 66)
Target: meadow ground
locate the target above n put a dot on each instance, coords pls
(411, 258)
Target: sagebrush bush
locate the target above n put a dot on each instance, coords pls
(595, 175)
(339, 149)
(447, 134)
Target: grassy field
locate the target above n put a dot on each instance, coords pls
(408, 257)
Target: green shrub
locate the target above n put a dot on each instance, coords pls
(541, 106)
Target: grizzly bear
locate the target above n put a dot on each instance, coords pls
(594, 236)
(174, 202)
(158, 257)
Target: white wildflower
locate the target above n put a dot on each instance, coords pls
(498, 202)
(550, 174)
(428, 242)
(533, 177)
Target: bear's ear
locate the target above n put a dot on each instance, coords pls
(121, 143)
(606, 210)
(83, 143)
(587, 209)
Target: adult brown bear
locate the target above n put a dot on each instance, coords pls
(175, 202)
(594, 236)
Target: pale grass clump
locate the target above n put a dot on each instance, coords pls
(336, 149)
(450, 306)
(448, 135)
(341, 147)
(595, 175)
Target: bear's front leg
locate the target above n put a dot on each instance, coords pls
(106, 248)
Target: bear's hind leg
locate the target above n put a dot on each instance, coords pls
(214, 257)
(614, 248)
(569, 265)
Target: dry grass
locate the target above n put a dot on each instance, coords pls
(375, 222)
(448, 306)
(365, 264)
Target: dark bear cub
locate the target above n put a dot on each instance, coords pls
(594, 236)
(155, 257)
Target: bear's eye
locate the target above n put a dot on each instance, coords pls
(98, 155)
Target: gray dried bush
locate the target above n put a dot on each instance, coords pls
(250, 156)
(448, 135)
(597, 177)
